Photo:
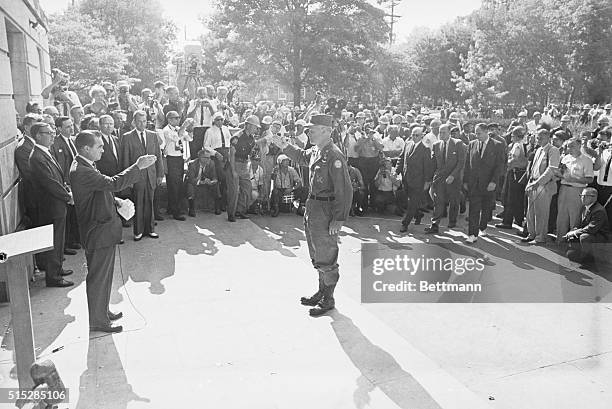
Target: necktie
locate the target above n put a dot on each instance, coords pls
(72, 148)
(109, 142)
(201, 115)
(142, 138)
(444, 155)
(481, 149)
(607, 168)
(412, 149)
(222, 138)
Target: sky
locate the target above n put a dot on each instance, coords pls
(414, 13)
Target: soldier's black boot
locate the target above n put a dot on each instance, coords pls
(326, 304)
(315, 298)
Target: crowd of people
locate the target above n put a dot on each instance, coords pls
(214, 152)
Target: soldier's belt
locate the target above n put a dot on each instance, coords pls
(322, 198)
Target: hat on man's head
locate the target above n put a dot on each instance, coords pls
(217, 115)
(565, 118)
(384, 120)
(266, 120)
(300, 122)
(360, 114)
(321, 119)
(281, 158)
(172, 114)
(608, 107)
(277, 122)
(536, 113)
(253, 120)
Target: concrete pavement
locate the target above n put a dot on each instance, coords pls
(212, 318)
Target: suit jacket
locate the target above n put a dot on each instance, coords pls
(193, 167)
(480, 171)
(594, 221)
(99, 224)
(415, 165)
(132, 149)
(26, 188)
(109, 164)
(49, 186)
(452, 165)
(544, 157)
(63, 155)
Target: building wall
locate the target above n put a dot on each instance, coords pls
(24, 71)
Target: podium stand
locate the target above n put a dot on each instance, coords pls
(14, 248)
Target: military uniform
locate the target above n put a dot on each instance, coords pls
(330, 199)
(239, 184)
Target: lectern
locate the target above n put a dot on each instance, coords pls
(14, 248)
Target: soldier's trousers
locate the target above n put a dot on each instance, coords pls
(322, 247)
(238, 189)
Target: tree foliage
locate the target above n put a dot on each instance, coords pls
(298, 42)
(71, 36)
(140, 25)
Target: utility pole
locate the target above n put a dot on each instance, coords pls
(393, 19)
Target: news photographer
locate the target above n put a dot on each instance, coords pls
(57, 93)
(201, 109)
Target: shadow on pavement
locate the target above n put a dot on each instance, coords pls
(104, 380)
(378, 369)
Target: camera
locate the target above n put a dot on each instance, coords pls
(55, 72)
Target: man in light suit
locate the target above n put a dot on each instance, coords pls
(139, 141)
(448, 160)
(415, 165)
(99, 223)
(541, 187)
(483, 167)
(52, 196)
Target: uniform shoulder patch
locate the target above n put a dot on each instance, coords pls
(338, 164)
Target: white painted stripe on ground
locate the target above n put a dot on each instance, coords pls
(446, 390)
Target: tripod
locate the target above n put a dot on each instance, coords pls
(192, 77)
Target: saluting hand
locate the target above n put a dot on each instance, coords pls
(145, 161)
(334, 227)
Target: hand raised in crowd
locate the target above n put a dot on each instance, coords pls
(281, 142)
(145, 161)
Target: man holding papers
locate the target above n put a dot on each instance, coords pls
(99, 224)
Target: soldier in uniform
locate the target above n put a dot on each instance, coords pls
(327, 207)
(238, 177)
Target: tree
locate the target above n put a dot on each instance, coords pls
(140, 25)
(301, 42)
(71, 35)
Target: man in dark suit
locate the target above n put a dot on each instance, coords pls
(64, 152)
(109, 162)
(52, 196)
(100, 225)
(415, 166)
(202, 174)
(448, 160)
(139, 141)
(27, 199)
(592, 229)
(483, 167)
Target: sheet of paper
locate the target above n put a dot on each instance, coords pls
(126, 208)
